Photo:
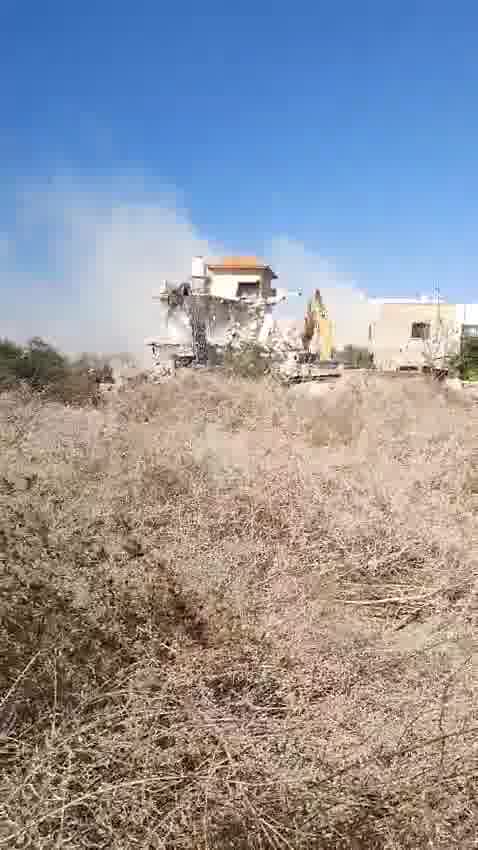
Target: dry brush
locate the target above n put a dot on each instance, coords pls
(231, 619)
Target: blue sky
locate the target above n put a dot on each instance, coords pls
(348, 128)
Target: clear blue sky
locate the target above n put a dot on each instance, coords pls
(349, 126)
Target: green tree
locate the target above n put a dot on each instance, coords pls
(10, 361)
(465, 364)
(41, 364)
(44, 369)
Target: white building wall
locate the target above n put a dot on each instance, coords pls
(198, 266)
(467, 314)
(391, 341)
(224, 284)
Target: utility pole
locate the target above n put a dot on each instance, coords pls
(438, 302)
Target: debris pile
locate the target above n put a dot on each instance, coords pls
(228, 307)
(248, 324)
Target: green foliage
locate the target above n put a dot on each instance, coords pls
(470, 359)
(465, 364)
(41, 364)
(44, 369)
(10, 360)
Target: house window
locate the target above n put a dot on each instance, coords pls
(248, 288)
(470, 330)
(421, 330)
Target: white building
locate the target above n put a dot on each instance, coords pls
(407, 333)
(240, 277)
(239, 297)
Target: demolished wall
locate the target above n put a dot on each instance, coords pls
(197, 320)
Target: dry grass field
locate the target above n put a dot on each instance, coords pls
(234, 619)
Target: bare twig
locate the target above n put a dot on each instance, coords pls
(19, 678)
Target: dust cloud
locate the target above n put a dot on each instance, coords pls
(79, 263)
(102, 253)
(302, 269)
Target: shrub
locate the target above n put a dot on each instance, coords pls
(469, 356)
(41, 364)
(249, 360)
(10, 362)
(220, 629)
(38, 364)
(465, 363)
(42, 368)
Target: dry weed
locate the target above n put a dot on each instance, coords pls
(235, 620)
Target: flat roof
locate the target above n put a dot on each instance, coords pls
(427, 302)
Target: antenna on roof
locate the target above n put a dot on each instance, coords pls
(438, 301)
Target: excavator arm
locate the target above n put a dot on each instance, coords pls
(318, 335)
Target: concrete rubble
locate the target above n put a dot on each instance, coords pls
(228, 313)
(228, 307)
(249, 325)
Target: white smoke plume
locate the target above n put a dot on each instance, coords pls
(79, 264)
(347, 305)
(105, 250)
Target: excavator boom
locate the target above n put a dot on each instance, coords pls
(318, 336)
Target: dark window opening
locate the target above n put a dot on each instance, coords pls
(248, 288)
(470, 330)
(421, 330)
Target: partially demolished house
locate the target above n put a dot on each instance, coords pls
(229, 303)
(224, 302)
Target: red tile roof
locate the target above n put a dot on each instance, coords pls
(240, 264)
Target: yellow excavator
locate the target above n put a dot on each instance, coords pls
(316, 360)
(318, 335)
